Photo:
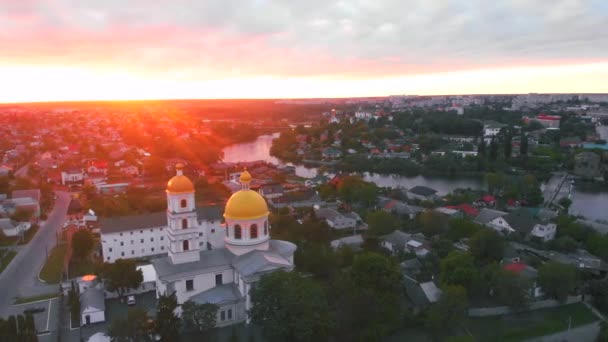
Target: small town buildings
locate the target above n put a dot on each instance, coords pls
(396, 241)
(420, 295)
(422, 193)
(492, 218)
(337, 220)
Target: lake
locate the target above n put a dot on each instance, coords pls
(587, 200)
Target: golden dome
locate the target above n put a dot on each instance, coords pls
(245, 176)
(180, 183)
(245, 205)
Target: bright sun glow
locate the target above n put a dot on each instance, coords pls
(22, 83)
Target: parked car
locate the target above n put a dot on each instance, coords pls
(131, 300)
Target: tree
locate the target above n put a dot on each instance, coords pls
(121, 276)
(432, 223)
(508, 144)
(557, 280)
(288, 307)
(167, 322)
(199, 317)
(382, 223)
(523, 145)
(486, 245)
(461, 228)
(512, 289)
(459, 269)
(154, 167)
(365, 297)
(135, 327)
(449, 311)
(493, 150)
(22, 215)
(566, 203)
(82, 243)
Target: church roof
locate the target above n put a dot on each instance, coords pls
(259, 262)
(159, 219)
(217, 259)
(214, 259)
(218, 295)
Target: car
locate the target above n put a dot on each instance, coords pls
(131, 300)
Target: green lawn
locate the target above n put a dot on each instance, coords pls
(518, 327)
(81, 267)
(6, 256)
(53, 269)
(24, 300)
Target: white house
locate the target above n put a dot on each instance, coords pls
(338, 220)
(92, 306)
(492, 128)
(70, 177)
(545, 232)
(354, 241)
(13, 228)
(493, 219)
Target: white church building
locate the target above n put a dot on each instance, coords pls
(206, 261)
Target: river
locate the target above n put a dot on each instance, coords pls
(587, 200)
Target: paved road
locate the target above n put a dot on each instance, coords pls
(584, 333)
(20, 278)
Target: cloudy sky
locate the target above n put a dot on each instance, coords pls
(120, 49)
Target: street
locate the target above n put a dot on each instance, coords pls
(20, 278)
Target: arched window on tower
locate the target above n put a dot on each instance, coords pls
(183, 203)
(237, 232)
(265, 228)
(185, 245)
(227, 232)
(253, 231)
(184, 223)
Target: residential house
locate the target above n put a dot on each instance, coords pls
(28, 200)
(13, 228)
(331, 153)
(545, 232)
(402, 209)
(72, 177)
(337, 220)
(396, 241)
(527, 272)
(492, 128)
(420, 295)
(92, 306)
(449, 213)
(422, 193)
(297, 199)
(493, 219)
(271, 191)
(97, 167)
(353, 241)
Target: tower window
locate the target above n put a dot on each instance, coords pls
(183, 203)
(218, 279)
(184, 223)
(190, 285)
(185, 245)
(265, 228)
(253, 231)
(237, 232)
